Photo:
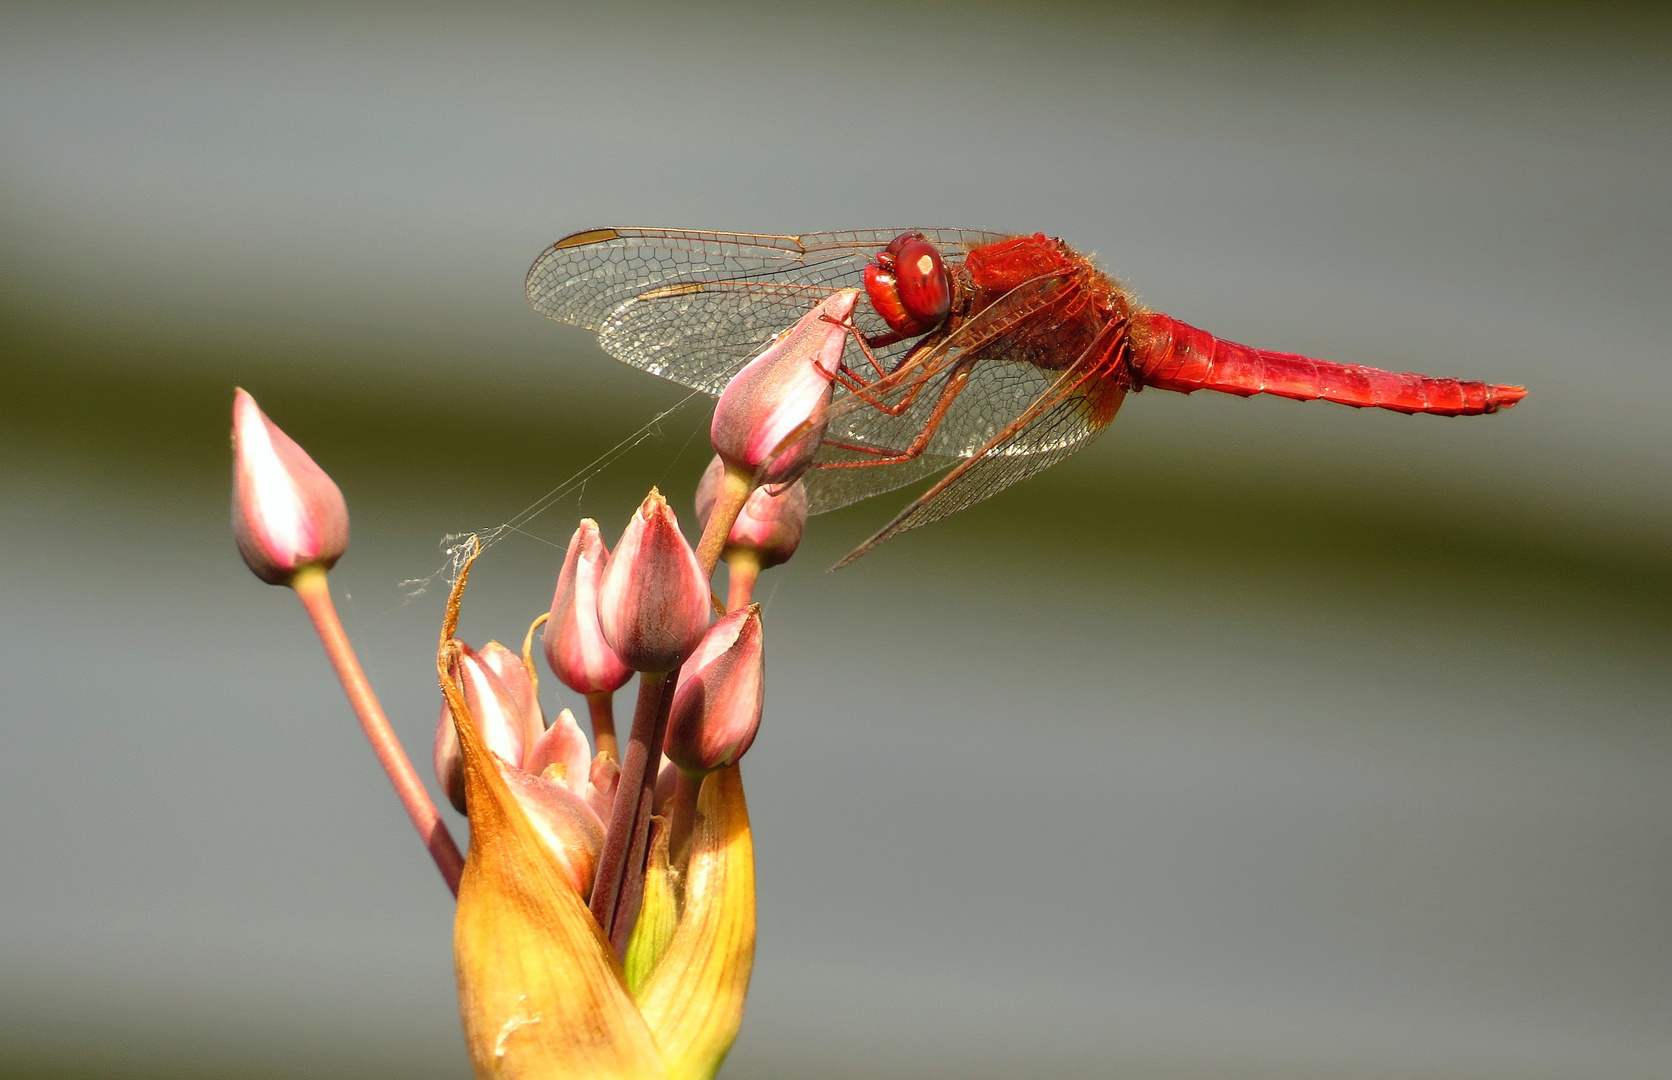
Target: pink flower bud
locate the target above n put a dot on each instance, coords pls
(568, 826)
(286, 513)
(575, 646)
(785, 387)
(653, 601)
(561, 754)
(717, 704)
(503, 725)
(770, 524)
(513, 675)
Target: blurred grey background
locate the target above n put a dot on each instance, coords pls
(1261, 740)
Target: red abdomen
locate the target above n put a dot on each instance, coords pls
(1173, 355)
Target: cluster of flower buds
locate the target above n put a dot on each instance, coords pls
(565, 790)
(683, 925)
(576, 854)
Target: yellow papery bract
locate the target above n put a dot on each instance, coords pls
(693, 1000)
(540, 992)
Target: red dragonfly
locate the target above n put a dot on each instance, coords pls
(990, 355)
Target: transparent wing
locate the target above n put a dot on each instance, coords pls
(1078, 406)
(997, 391)
(693, 307)
(831, 489)
(1003, 341)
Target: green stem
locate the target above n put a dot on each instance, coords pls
(601, 708)
(682, 814)
(743, 566)
(735, 485)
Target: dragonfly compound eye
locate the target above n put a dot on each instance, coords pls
(920, 277)
(894, 246)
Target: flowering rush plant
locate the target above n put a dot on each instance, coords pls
(606, 908)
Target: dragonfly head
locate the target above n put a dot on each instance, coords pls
(909, 285)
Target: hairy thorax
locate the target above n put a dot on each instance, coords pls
(1084, 299)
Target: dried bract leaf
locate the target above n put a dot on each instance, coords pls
(540, 993)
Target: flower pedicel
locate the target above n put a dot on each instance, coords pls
(767, 531)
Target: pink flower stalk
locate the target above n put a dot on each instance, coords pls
(286, 513)
(653, 608)
(653, 600)
(717, 702)
(771, 522)
(782, 391)
(575, 645)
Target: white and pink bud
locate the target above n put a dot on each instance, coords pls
(771, 522)
(783, 391)
(286, 513)
(501, 722)
(561, 754)
(575, 646)
(653, 600)
(518, 683)
(717, 703)
(571, 830)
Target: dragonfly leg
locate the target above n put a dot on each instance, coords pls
(857, 448)
(871, 392)
(955, 383)
(850, 379)
(866, 391)
(868, 345)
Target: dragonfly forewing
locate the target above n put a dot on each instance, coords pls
(693, 306)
